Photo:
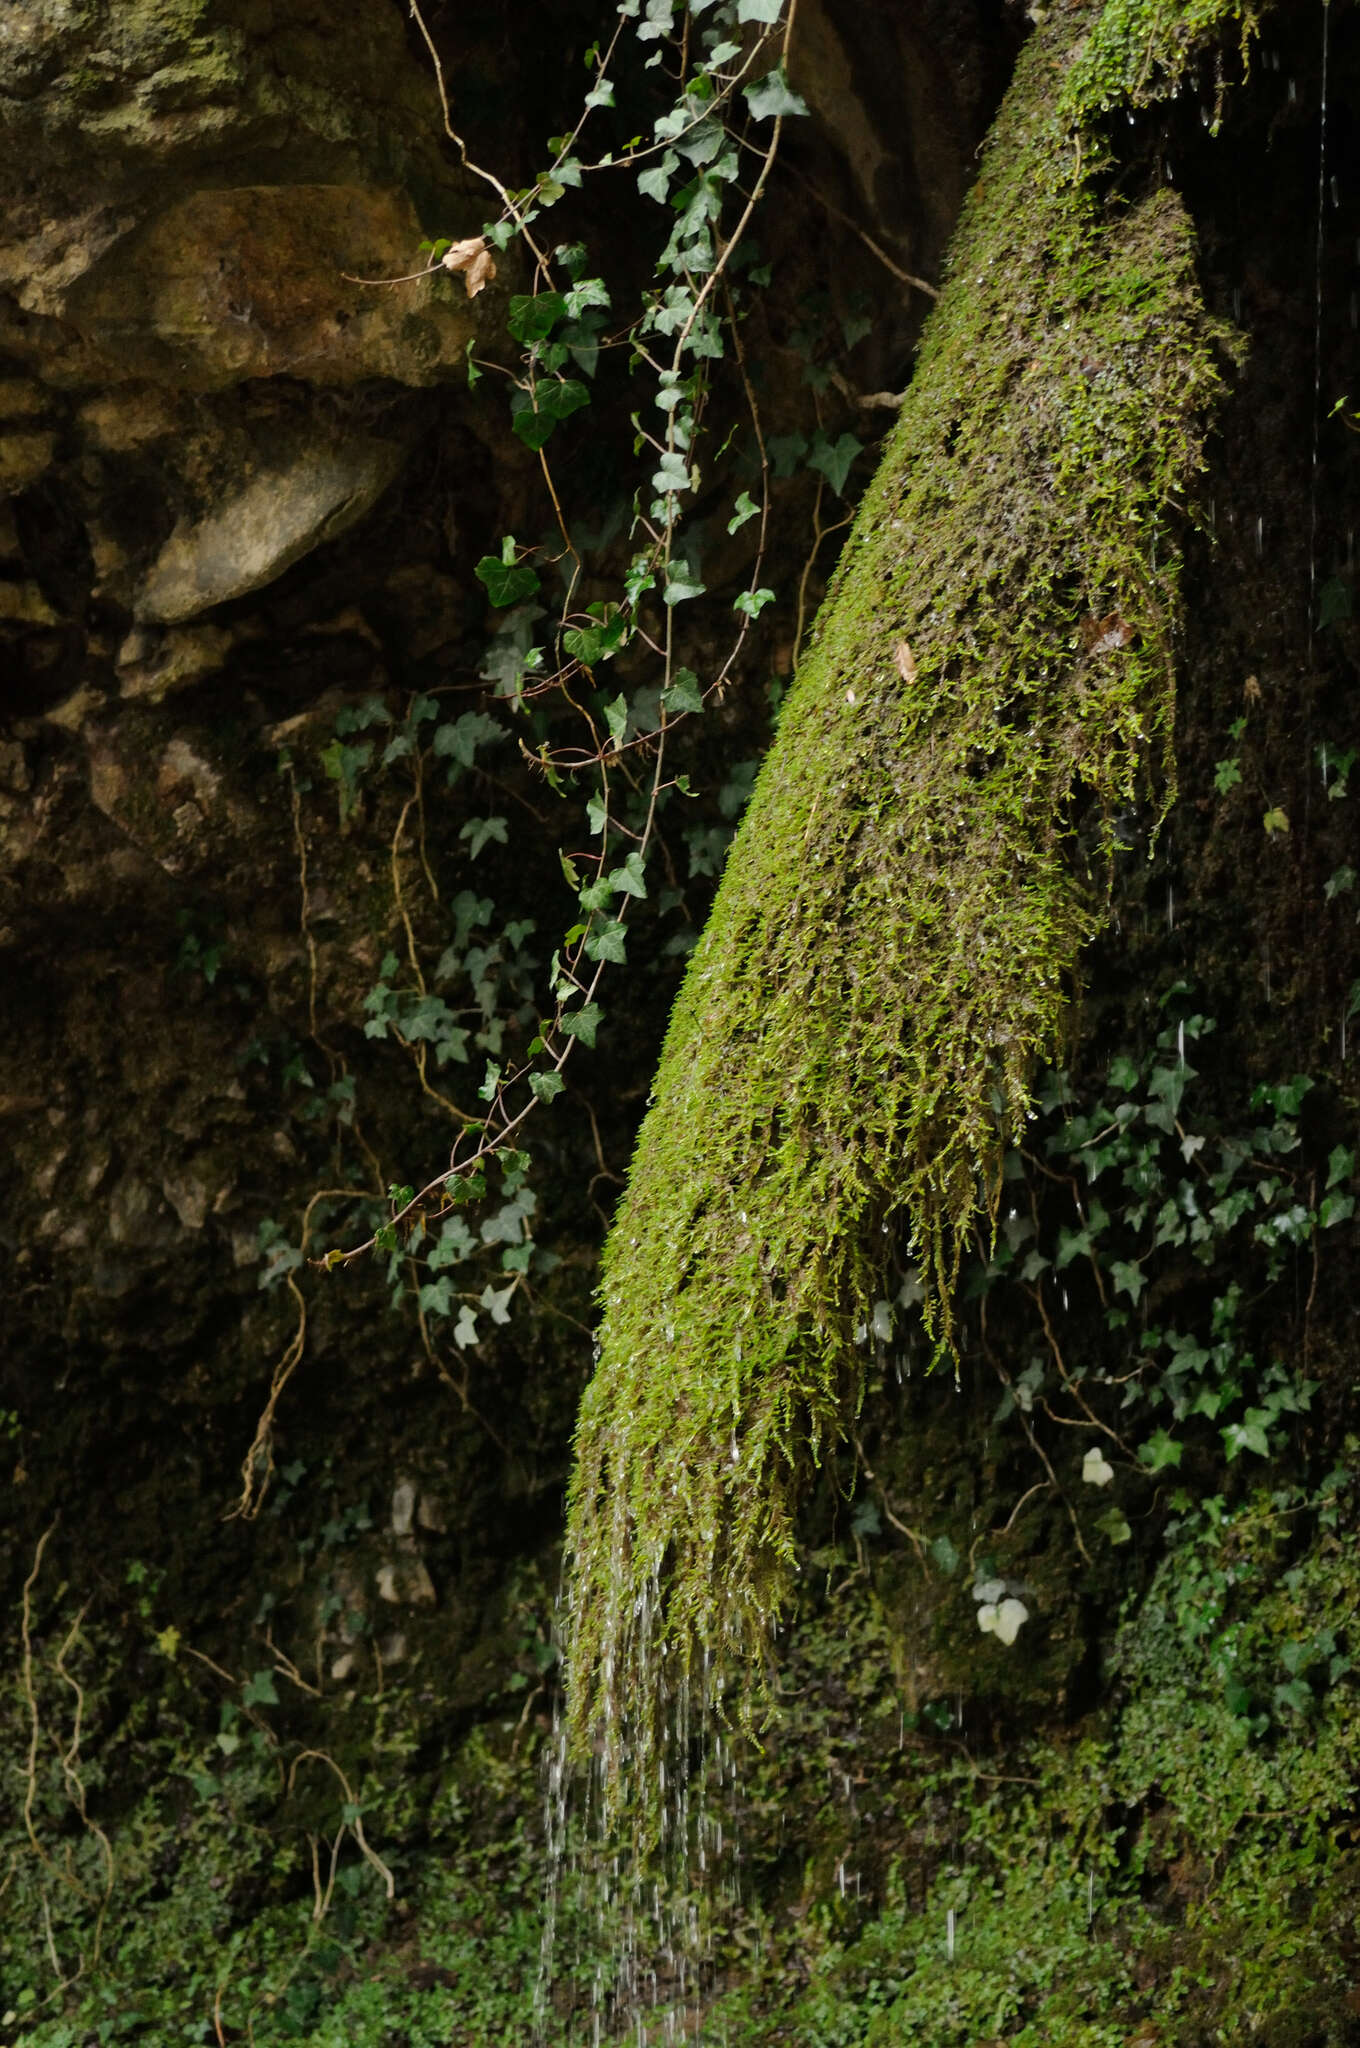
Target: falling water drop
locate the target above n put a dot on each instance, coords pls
(1260, 534)
(949, 1934)
(1180, 1043)
(1170, 909)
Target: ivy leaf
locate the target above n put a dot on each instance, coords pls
(629, 880)
(759, 10)
(1160, 1450)
(1096, 1469)
(1340, 1165)
(583, 1023)
(746, 508)
(437, 1297)
(672, 474)
(753, 602)
(608, 943)
(655, 182)
(1128, 1279)
(532, 317)
(684, 694)
(479, 830)
(462, 736)
(772, 97)
(681, 583)
(1113, 1524)
(547, 1086)
(616, 718)
(1339, 883)
(786, 452)
(552, 400)
(835, 463)
(506, 583)
(260, 1691)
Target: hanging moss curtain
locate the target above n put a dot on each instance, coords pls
(900, 926)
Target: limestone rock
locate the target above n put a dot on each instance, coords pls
(269, 522)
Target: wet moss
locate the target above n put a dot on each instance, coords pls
(897, 935)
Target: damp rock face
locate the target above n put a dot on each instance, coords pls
(199, 383)
(185, 181)
(274, 517)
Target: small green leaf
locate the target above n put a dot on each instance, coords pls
(506, 584)
(479, 830)
(684, 693)
(259, 1691)
(1160, 1450)
(616, 718)
(681, 584)
(608, 943)
(547, 1086)
(834, 461)
(583, 1023)
(629, 880)
(771, 97)
(746, 508)
(532, 317)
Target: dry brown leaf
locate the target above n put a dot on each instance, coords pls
(906, 661)
(474, 259)
(1102, 636)
(1251, 690)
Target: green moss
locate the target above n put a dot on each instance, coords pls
(1179, 1868)
(897, 934)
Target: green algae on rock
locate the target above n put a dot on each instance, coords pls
(896, 937)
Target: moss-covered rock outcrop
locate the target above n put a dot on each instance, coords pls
(901, 922)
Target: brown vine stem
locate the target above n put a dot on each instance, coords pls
(30, 1695)
(75, 1786)
(916, 1540)
(1034, 1444)
(918, 284)
(819, 534)
(500, 1124)
(356, 1825)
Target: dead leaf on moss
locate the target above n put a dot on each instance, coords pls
(1102, 636)
(1251, 690)
(906, 661)
(474, 259)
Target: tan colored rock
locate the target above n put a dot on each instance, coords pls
(289, 506)
(253, 281)
(405, 1582)
(151, 665)
(22, 399)
(23, 604)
